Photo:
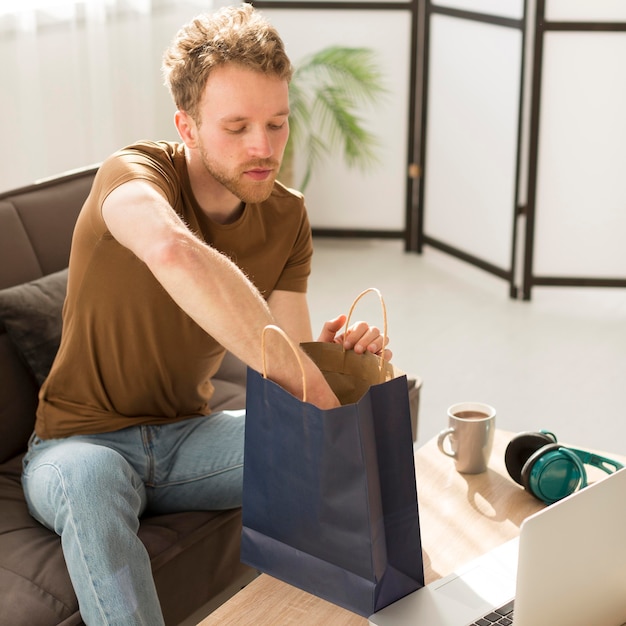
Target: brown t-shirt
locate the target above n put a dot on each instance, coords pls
(129, 355)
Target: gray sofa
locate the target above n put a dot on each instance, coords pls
(195, 555)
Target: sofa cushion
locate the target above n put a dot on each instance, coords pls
(31, 315)
(202, 545)
(32, 569)
(195, 556)
(18, 401)
(18, 261)
(47, 212)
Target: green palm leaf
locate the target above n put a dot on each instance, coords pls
(327, 90)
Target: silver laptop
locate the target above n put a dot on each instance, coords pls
(568, 566)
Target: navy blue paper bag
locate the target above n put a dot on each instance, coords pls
(329, 496)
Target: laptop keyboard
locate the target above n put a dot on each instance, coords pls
(500, 617)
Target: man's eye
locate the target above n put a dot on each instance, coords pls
(277, 126)
(236, 131)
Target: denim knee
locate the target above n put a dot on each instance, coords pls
(82, 477)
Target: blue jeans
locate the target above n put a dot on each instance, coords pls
(92, 489)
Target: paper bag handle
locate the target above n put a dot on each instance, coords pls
(384, 308)
(293, 347)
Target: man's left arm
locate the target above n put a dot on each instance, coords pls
(291, 311)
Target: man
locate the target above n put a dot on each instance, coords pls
(181, 251)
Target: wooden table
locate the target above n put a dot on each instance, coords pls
(461, 517)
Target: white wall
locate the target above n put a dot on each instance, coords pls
(338, 197)
(72, 93)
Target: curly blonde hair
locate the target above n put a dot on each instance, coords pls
(235, 34)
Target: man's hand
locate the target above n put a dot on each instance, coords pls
(360, 337)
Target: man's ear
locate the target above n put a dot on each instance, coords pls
(186, 128)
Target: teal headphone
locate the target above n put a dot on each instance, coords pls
(549, 470)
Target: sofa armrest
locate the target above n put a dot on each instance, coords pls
(230, 385)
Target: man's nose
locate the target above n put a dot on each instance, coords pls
(260, 144)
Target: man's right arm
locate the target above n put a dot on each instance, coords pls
(209, 287)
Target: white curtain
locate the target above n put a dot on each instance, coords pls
(80, 79)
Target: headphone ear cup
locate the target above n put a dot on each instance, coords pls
(552, 473)
(520, 449)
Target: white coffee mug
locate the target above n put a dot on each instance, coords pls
(471, 426)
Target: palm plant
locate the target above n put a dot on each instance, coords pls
(326, 91)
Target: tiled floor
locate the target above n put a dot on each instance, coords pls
(557, 362)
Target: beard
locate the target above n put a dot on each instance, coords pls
(246, 189)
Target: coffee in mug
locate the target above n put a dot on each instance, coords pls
(471, 415)
(469, 436)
